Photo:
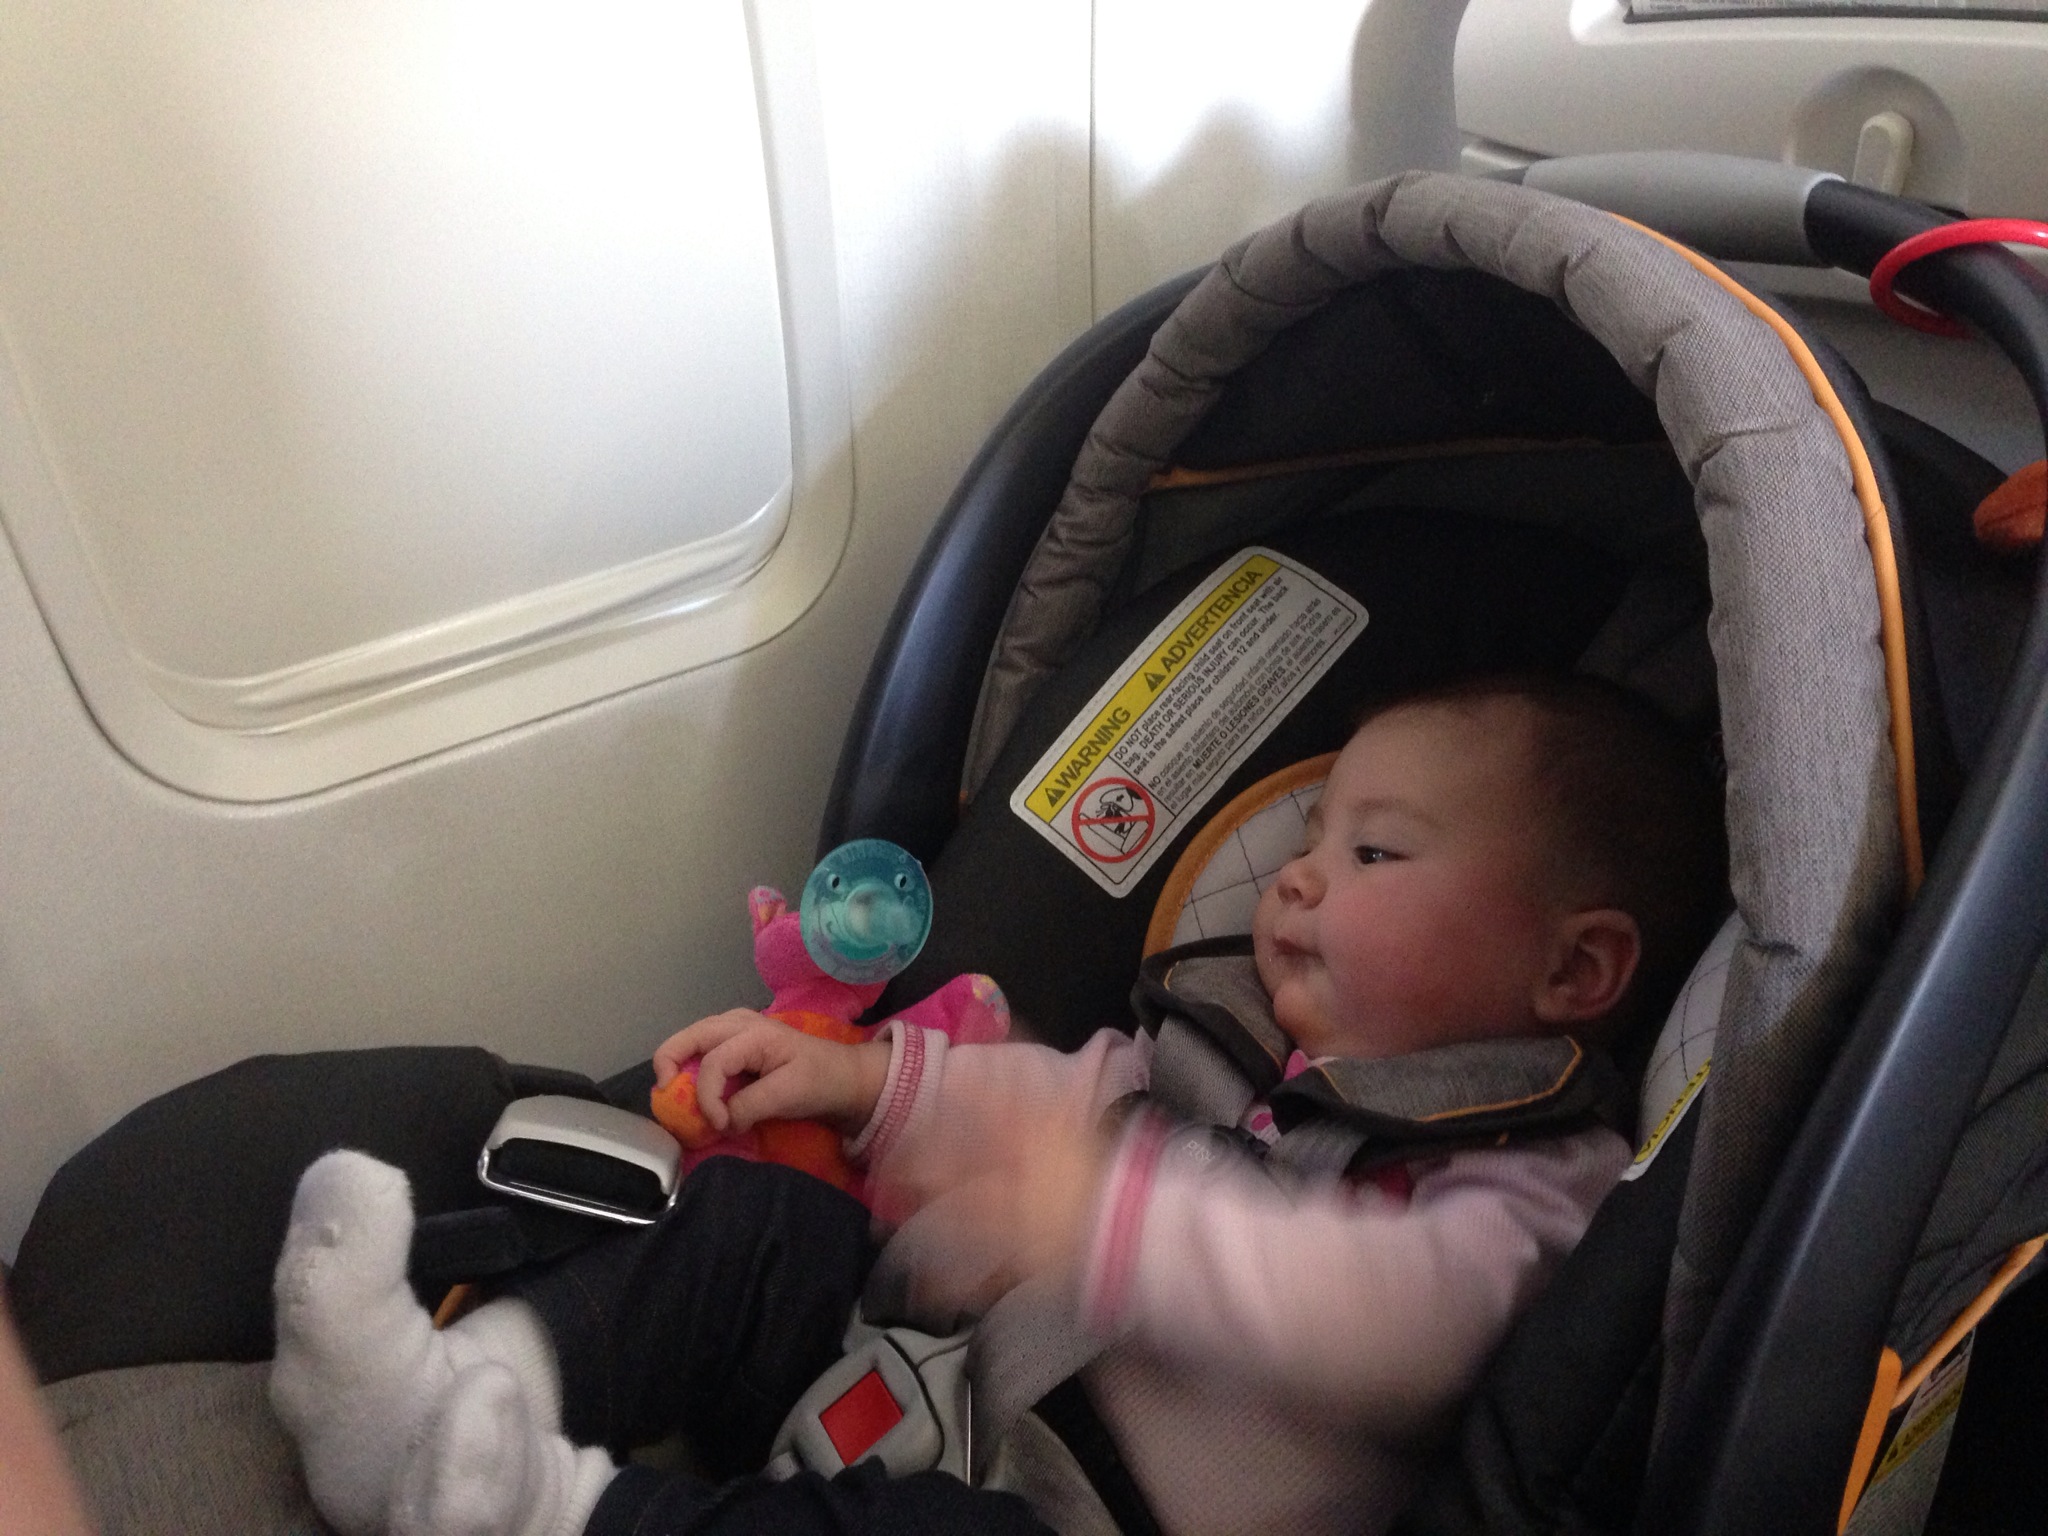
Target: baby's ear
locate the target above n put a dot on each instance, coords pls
(1593, 962)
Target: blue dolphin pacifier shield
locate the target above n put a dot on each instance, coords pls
(866, 911)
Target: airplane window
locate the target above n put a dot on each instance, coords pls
(374, 361)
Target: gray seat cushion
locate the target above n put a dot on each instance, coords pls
(163, 1450)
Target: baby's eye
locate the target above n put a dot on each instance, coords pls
(1366, 853)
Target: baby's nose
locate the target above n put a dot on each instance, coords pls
(1297, 880)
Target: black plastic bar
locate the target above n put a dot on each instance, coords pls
(1854, 227)
(899, 771)
(1761, 1436)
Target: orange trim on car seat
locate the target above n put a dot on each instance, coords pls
(1187, 869)
(1175, 478)
(1895, 1387)
(1867, 1442)
(1969, 1317)
(1877, 532)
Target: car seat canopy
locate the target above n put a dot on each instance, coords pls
(1820, 820)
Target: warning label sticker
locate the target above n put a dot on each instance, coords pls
(1205, 688)
(1113, 820)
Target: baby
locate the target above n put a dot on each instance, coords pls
(1506, 859)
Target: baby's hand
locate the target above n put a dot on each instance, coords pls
(1031, 1193)
(1053, 1190)
(686, 1045)
(796, 1076)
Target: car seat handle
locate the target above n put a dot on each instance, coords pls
(1725, 205)
(1944, 237)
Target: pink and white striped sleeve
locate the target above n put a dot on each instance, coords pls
(939, 1098)
(1343, 1293)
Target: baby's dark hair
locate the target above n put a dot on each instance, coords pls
(1637, 804)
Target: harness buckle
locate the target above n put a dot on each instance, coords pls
(898, 1396)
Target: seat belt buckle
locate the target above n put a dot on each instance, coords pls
(582, 1156)
(896, 1396)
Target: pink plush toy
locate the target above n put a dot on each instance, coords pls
(968, 1009)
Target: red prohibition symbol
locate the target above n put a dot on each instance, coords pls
(1113, 820)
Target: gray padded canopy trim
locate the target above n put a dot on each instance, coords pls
(1813, 815)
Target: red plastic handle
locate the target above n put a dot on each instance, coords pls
(1944, 237)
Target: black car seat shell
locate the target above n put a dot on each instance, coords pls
(1773, 1426)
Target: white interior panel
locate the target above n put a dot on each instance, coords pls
(1211, 122)
(1947, 110)
(1561, 77)
(569, 889)
(357, 318)
(960, 169)
(372, 350)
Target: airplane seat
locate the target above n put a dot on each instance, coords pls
(156, 1242)
(1434, 427)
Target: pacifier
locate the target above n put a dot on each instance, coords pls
(866, 911)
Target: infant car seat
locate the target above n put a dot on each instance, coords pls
(1347, 379)
(1503, 430)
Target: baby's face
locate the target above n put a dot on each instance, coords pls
(1421, 912)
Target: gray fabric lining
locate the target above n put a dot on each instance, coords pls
(1633, 500)
(1231, 982)
(1996, 1186)
(1321, 1149)
(1032, 1463)
(1813, 825)
(1030, 1341)
(1191, 1072)
(1655, 642)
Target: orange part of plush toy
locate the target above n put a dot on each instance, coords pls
(2011, 518)
(675, 1106)
(803, 1144)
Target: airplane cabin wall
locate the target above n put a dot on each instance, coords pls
(569, 891)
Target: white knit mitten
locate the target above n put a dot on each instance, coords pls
(359, 1366)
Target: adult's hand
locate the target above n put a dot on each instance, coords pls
(37, 1494)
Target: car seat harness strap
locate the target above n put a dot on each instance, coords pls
(1344, 1117)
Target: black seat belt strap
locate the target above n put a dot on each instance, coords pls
(1072, 1418)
